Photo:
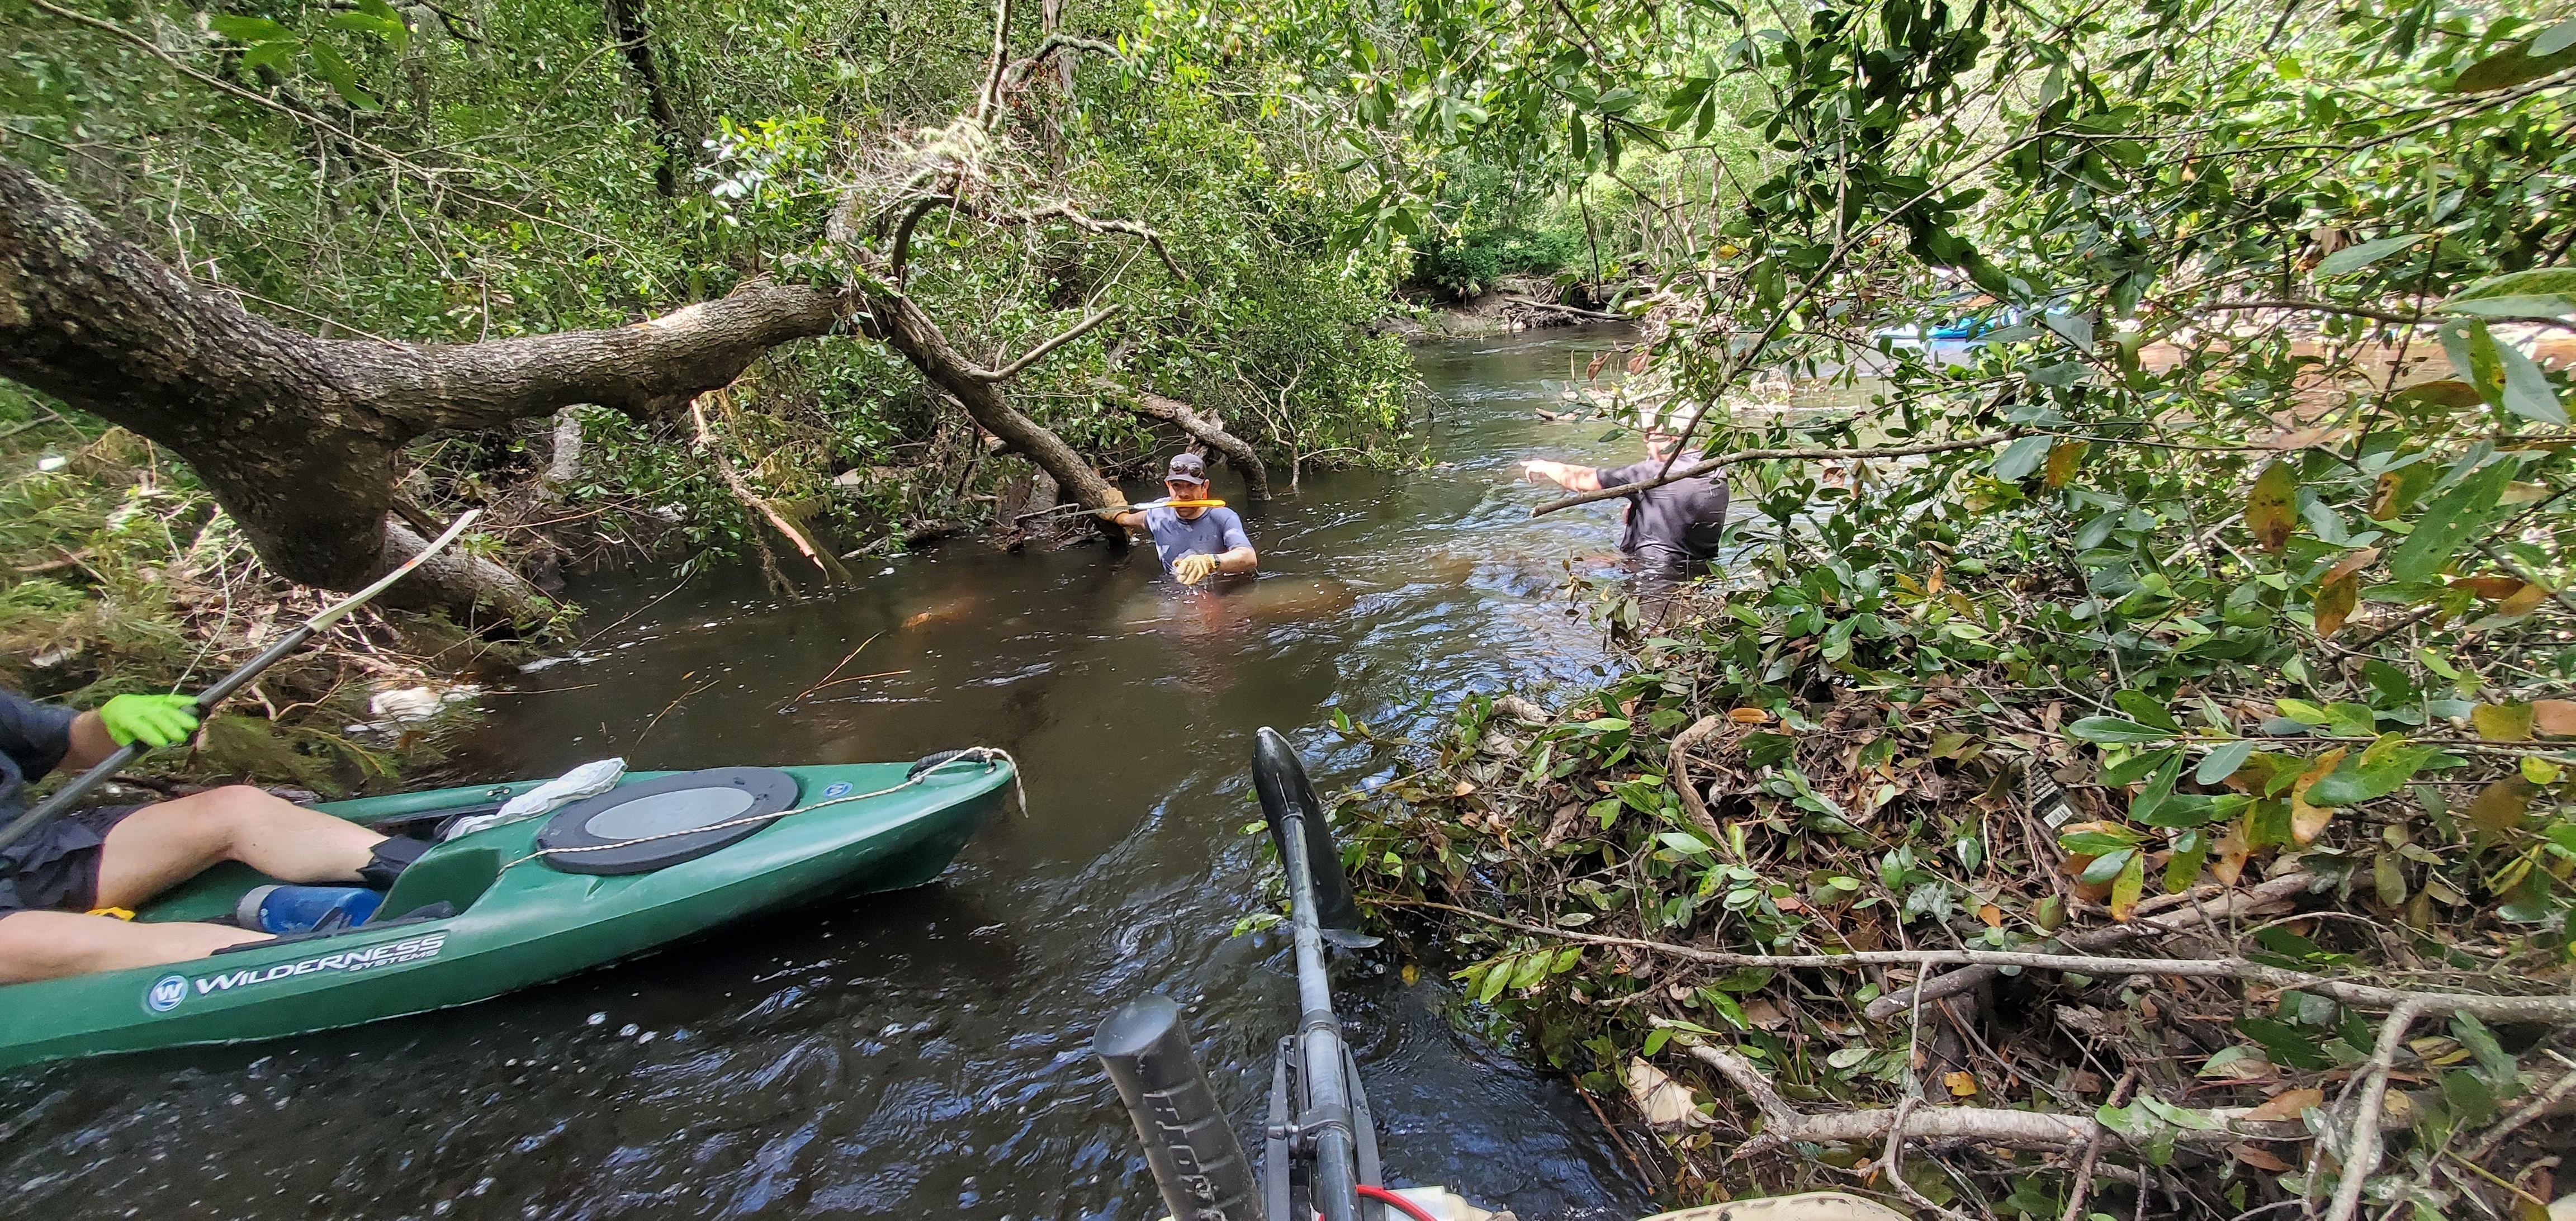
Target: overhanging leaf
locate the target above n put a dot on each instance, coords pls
(2355, 258)
(2448, 522)
(2020, 458)
(2515, 65)
(2527, 392)
(2064, 458)
(2223, 762)
(2447, 392)
(2268, 508)
(2114, 729)
(2335, 600)
(2552, 305)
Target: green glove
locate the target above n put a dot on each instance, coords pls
(157, 720)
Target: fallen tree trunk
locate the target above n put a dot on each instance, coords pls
(297, 436)
(1206, 431)
(902, 324)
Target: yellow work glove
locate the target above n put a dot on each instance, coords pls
(155, 720)
(1194, 568)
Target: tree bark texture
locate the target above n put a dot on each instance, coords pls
(297, 436)
(1207, 432)
(634, 36)
(909, 331)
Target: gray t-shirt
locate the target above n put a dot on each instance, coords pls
(1216, 532)
(1675, 524)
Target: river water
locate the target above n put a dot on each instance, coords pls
(926, 1053)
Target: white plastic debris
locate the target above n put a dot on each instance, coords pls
(588, 780)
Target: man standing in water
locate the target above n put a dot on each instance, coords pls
(1675, 526)
(1195, 543)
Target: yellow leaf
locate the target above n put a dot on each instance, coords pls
(1962, 1084)
(2286, 1106)
(2268, 509)
(2557, 718)
(1464, 787)
(2227, 857)
(2335, 600)
(1666, 1103)
(1411, 974)
(1991, 914)
(2499, 807)
(2063, 460)
(2258, 1159)
(2493, 589)
(2523, 601)
(2307, 822)
(1747, 716)
(2350, 564)
(2503, 722)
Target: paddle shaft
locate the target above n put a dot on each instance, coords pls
(1150, 504)
(224, 687)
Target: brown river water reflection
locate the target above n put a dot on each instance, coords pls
(926, 1053)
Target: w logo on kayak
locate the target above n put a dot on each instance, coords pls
(166, 993)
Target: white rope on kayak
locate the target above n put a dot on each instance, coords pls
(986, 755)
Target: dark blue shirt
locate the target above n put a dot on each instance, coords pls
(33, 740)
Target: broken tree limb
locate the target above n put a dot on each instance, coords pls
(2232, 903)
(1678, 762)
(1201, 428)
(2553, 1009)
(1040, 352)
(1722, 461)
(899, 321)
(1783, 1123)
(2361, 1144)
(294, 434)
(1568, 310)
(743, 492)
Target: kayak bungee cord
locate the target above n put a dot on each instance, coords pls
(1165, 503)
(986, 755)
(225, 686)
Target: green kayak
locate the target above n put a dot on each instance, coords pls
(505, 907)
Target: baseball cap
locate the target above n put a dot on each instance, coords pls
(1186, 468)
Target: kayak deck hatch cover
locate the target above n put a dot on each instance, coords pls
(510, 906)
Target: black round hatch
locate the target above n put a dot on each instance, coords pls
(638, 828)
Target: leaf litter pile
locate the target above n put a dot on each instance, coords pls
(1997, 886)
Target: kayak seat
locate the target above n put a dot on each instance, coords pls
(455, 876)
(638, 828)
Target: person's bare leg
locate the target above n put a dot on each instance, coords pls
(50, 945)
(160, 846)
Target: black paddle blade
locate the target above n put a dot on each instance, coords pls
(1280, 779)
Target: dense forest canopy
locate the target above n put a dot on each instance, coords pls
(2220, 561)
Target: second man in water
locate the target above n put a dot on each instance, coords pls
(1195, 542)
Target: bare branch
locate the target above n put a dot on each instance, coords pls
(2236, 902)
(1038, 353)
(1723, 461)
(1075, 217)
(1203, 429)
(900, 249)
(2554, 1009)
